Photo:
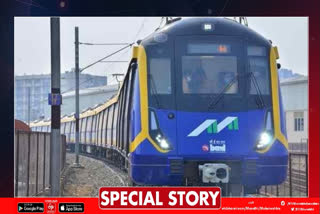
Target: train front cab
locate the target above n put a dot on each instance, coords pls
(177, 139)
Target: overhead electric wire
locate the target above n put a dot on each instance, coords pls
(101, 60)
(140, 29)
(87, 43)
(134, 39)
(88, 66)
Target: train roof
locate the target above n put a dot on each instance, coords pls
(220, 26)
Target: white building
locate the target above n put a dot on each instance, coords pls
(88, 98)
(295, 101)
(31, 92)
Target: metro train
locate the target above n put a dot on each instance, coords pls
(200, 105)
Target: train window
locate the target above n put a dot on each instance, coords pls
(67, 131)
(133, 74)
(259, 68)
(256, 51)
(62, 128)
(109, 126)
(118, 124)
(125, 117)
(127, 112)
(88, 128)
(72, 132)
(122, 113)
(100, 128)
(209, 74)
(115, 117)
(83, 130)
(95, 136)
(93, 131)
(104, 142)
(160, 76)
(110, 119)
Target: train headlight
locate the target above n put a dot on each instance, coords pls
(264, 141)
(156, 133)
(163, 143)
(266, 137)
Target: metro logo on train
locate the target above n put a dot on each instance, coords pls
(212, 126)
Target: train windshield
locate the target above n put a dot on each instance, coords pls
(209, 74)
(220, 71)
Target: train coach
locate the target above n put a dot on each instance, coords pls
(200, 104)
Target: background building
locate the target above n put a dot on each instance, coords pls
(295, 100)
(88, 98)
(33, 90)
(285, 73)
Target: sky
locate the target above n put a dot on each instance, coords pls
(32, 41)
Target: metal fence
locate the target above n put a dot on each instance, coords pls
(296, 184)
(301, 147)
(32, 162)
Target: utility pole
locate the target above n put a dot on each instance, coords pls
(55, 101)
(77, 71)
(29, 105)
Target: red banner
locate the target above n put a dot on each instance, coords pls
(93, 205)
(165, 197)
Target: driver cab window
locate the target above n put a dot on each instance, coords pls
(258, 65)
(209, 74)
(160, 76)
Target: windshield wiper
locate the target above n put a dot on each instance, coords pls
(154, 90)
(217, 99)
(256, 85)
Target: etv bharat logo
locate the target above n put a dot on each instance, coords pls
(212, 126)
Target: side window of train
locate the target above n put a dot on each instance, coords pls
(108, 123)
(95, 138)
(125, 118)
(258, 65)
(115, 118)
(118, 125)
(104, 141)
(97, 129)
(88, 129)
(73, 129)
(82, 130)
(93, 131)
(100, 128)
(127, 108)
(62, 128)
(113, 125)
(122, 106)
(67, 131)
(133, 76)
(105, 126)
